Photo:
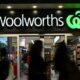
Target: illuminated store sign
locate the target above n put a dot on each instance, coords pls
(31, 22)
(73, 21)
(45, 21)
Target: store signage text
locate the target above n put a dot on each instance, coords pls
(23, 21)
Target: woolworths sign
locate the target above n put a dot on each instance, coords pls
(46, 22)
(73, 20)
(23, 21)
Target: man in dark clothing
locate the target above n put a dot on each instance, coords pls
(37, 67)
(4, 64)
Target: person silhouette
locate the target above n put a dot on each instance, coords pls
(37, 66)
(4, 64)
(62, 64)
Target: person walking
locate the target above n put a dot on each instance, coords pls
(37, 66)
(4, 64)
(63, 65)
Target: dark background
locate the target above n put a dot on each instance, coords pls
(38, 1)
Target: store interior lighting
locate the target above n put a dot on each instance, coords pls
(32, 41)
(9, 7)
(22, 42)
(35, 12)
(12, 12)
(56, 39)
(34, 6)
(58, 11)
(79, 38)
(60, 6)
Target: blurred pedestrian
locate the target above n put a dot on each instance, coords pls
(37, 67)
(63, 65)
(4, 64)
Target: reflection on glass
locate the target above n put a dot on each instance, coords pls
(10, 45)
(24, 47)
(74, 45)
(49, 47)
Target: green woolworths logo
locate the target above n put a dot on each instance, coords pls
(73, 21)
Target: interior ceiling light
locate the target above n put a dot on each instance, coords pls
(12, 12)
(58, 11)
(35, 12)
(60, 6)
(9, 7)
(34, 6)
(56, 39)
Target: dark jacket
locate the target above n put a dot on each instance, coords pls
(4, 69)
(37, 68)
(62, 63)
(69, 72)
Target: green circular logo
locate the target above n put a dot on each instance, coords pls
(73, 21)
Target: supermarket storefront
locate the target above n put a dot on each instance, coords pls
(48, 24)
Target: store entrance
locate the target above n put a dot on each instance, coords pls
(73, 43)
(49, 43)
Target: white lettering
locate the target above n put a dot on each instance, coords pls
(60, 20)
(29, 21)
(2, 22)
(17, 22)
(38, 22)
(22, 21)
(9, 22)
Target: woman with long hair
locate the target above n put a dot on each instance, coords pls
(62, 64)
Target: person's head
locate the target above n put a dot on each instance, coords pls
(62, 49)
(61, 55)
(37, 47)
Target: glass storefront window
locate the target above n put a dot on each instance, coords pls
(73, 43)
(49, 47)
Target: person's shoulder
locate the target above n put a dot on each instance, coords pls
(6, 62)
